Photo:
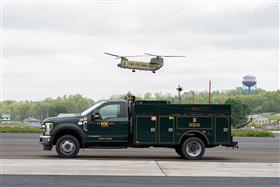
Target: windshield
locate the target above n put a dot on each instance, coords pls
(92, 108)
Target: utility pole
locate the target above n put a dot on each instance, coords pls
(209, 94)
(179, 92)
(192, 97)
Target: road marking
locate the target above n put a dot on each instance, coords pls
(161, 169)
(137, 168)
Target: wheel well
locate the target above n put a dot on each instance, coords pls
(194, 134)
(68, 132)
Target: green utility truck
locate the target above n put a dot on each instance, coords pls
(188, 129)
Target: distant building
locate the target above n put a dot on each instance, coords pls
(258, 119)
(31, 120)
(67, 114)
(5, 117)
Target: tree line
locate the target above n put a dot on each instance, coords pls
(259, 102)
(243, 104)
(20, 110)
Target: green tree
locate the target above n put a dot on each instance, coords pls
(20, 110)
(261, 101)
(239, 111)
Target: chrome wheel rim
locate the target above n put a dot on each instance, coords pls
(67, 147)
(193, 148)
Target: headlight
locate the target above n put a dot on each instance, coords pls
(43, 126)
(48, 127)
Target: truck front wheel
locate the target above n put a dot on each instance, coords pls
(67, 146)
(193, 148)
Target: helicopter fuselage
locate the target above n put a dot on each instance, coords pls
(154, 64)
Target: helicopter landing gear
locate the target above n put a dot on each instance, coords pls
(154, 72)
(133, 70)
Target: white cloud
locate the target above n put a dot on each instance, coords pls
(56, 49)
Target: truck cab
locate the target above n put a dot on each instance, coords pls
(108, 125)
(188, 129)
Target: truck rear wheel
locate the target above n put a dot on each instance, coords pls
(193, 148)
(67, 146)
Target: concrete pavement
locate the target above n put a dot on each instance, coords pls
(137, 168)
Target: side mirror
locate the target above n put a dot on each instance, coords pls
(95, 115)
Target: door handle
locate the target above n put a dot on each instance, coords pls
(153, 129)
(170, 129)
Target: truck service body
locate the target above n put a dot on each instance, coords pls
(189, 129)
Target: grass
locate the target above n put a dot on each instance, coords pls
(18, 128)
(15, 125)
(251, 133)
(273, 117)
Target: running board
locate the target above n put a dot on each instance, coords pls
(107, 147)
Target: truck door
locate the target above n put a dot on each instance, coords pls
(165, 129)
(222, 128)
(110, 124)
(145, 131)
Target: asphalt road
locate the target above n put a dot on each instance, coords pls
(255, 151)
(26, 146)
(68, 181)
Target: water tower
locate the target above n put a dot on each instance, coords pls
(249, 83)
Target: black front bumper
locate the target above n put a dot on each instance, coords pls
(46, 142)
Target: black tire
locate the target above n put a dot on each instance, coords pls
(178, 151)
(193, 148)
(67, 146)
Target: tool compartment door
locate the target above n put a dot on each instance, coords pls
(166, 130)
(222, 129)
(146, 130)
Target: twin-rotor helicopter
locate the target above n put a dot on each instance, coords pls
(155, 63)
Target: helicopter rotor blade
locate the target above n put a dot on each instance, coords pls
(149, 54)
(174, 56)
(164, 55)
(130, 56)
(118, 56)
(113, 55)
(134, 56)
